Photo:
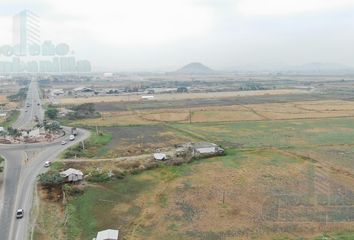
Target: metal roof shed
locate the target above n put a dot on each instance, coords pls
(108, 234)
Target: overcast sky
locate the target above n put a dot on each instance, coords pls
(117, 35)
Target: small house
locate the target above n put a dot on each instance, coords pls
(108, 234)
(72, 175)
(207, 148)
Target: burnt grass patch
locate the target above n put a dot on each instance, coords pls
(135, 140)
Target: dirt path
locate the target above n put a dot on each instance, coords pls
(263, 117)
(119, 159)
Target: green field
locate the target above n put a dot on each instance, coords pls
(11, 118)
(94, 146)
(281, 133)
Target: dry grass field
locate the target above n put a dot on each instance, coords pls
(6, 104)
(177, 96)
(283, 179)
(3, 99)
(249, 112)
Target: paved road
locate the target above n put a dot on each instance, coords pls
(23, 164)
(32, 108)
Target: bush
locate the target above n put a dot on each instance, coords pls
(71, 190)
(52, 112)
(1, 161)
(98, 176)
(86, 110)
(51, 179)
(119, 174)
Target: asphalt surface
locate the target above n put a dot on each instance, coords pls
(32, 108)
(23, 163)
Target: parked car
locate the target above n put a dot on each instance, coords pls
(72, 137)
(19, 213)
(63, 142)
(47, 164)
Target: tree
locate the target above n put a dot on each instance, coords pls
(86, 110)
(51, 179)
(14, 132)
(52, 113)
(52, 127)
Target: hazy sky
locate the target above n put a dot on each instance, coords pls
(166, 34)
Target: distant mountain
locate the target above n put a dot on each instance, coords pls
(195, 68)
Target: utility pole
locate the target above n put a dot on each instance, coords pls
(190, 116)
(83, 145)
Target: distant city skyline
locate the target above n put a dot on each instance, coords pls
(28, 54)
(163, 35)
(26, 31)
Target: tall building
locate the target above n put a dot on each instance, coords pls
(26, 31)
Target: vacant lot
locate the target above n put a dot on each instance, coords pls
(135, 140)
(280, 179)
(113, 142)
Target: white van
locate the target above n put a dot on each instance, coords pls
(72, 137)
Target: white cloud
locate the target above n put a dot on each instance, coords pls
(288, 7)
(6, 30)
(134, 22)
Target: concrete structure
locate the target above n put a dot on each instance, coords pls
(108, 234)
(72, 175)
(147, 97)
(57, 92)
(206, 148)
(160, 156)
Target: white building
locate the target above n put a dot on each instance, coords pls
(207, 148)
(108, 234)
(72, 175)
(160, 156)
(148, 97)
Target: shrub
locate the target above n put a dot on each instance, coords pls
(71, 190)
(98, 176)
(119, 174)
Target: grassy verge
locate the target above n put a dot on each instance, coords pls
(93, 147)
(2, 160)
(11, 118)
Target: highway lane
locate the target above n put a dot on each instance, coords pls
(31, 108)
(10, 184)
(25, 189)
(21, 174)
